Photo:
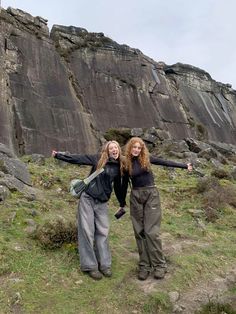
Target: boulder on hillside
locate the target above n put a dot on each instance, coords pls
(14, 175)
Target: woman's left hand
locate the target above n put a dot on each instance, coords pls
(190, 167)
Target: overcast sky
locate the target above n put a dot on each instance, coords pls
(201, 33)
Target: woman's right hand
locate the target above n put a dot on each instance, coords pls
(54, 152)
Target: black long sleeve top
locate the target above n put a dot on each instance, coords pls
(101, 187)
(142, 177)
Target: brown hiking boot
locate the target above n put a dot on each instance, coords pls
(143, 274)
(159, 273)
(95, 274)
(106, 272)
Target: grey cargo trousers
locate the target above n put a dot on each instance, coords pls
(93, 229)
(145, 211)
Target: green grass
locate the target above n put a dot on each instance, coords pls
(38, 280)
(216, 308)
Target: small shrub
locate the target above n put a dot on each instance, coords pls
(52, 235)
(216, 308)
(231, 194)
(200, 128)
(219, 197)
(232, 158)
(201, 131)
(215, 196)
(207, 183)
(211, 214)
(220, 173)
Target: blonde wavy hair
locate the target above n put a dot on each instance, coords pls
(143, 156)
(105, 156)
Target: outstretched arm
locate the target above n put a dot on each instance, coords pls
(168, 163)
(89, 160)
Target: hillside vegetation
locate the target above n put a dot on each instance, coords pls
(39, 265)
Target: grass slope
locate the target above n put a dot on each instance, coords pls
(35, 279)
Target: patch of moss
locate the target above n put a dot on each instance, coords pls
(119, 135)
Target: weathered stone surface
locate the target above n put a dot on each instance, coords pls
(15, 168)
(38, 159)
(39, 108)
(64, 91)
(4, 150)
(15, 176)
(12, 183)
(9, 164)
(208, 153)
(197, 146)
(4, 192)
(225, 149)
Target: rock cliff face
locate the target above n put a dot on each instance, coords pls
(65, 89)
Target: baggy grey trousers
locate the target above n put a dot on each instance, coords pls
(93, 229)
(145, 211)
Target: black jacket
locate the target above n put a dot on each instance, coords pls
(101, 187)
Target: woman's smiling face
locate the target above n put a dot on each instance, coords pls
(136, 149)
(113, 150)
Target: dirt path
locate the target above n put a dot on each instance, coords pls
(187, 302)
(207, 291)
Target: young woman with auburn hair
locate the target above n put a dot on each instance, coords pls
(145, 209)
(93, 221)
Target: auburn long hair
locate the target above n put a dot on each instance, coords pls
(105, 156)
(143, 156)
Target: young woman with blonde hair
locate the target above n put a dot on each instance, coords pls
(145, 209)
(93, 221)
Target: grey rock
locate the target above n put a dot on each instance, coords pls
(216, 163)
(5, 150)
(12, 183)
(208, 153)
(174, 296)
(30, 230)
(137, 132)
(179, 146)
(224, 148)
(30, 222)
(192, 157)
(16, 168)
(38, 159)
(196, 146)
(4, 193)
(163, 134)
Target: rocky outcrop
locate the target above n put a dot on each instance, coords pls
(39, 109)
(65, 90)
(14, 175)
